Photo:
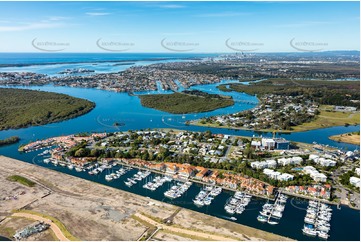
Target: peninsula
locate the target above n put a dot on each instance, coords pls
(350, 138)
(21, 108)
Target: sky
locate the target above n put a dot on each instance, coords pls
(179, 26)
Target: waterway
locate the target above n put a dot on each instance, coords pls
(4, 239)
(120, 107)
(114, 107)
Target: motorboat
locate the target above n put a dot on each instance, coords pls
(262, 218)
(309, 231)
(198, 202)
(272, 222)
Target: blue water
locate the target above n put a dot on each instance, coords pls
(40, 58)
(120, 107)
(99, 63)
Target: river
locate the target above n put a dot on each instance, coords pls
(120, 107)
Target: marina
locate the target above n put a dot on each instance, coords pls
(271, 213)
(185, 193)
(139, 176)
(177, 190)
(206, 195)
(157, 182)
(317, 220)
(134, 116)
(237, 204)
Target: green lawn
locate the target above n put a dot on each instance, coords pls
(22, 180)
(328, 118)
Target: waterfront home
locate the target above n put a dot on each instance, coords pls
(322, 191)
(186, 171)
(270, 190)
(256, 144)
(268, 144)
(81, 161)
(171, 168)
(158, 167)
(202, 172)
(57, 155)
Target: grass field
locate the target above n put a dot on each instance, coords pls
(22, 180)
(350, 138)
(328, 118)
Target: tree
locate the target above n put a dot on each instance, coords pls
(249, 151)
(82, 152)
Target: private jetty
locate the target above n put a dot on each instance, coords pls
(317, 220)
(177, 190)
(271, 213)
(206, 195)
(237, 203)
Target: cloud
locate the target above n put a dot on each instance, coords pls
(97, 13)
(174, 6)
(222, 14)
(29, 26)
(58, 18)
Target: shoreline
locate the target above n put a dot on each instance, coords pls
(86, 108)
(60, 180)
(89, 62)
(348, 138)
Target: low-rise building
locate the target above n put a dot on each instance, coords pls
(278, 175)
(314, 174)
(321, 160)
(355, 181)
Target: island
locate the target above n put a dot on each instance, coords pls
(186, 102)
(350, 138)
(21, 108)
(9, 141)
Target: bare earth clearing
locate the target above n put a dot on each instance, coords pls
(91, 211)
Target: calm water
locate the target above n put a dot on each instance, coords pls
(120, 107)
(99, 63)
(4, 239)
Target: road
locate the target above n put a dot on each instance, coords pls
(53, 226)
(206, 236)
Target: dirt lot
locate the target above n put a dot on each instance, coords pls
(11, 224)
(92, 211)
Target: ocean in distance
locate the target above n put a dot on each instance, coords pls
(120, 107)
